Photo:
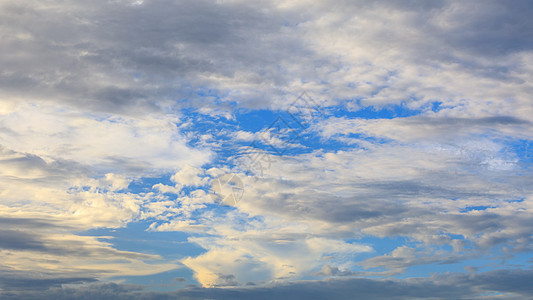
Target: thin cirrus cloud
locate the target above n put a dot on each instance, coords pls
(116, 117)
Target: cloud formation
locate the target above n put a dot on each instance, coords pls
(120, 113)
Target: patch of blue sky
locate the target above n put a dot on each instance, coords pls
(162, 282)
(500, 257)
(475, 208)
(170, 246)
(384, 246)
(520, 149)
(145, 184)
(473, 260)
(222, 129)
(137, 238)
(194, 94)
(380, 245)
(257, 120)
(449, 262)
(515, 200)
(521, 260)
(441, 267)
(390, 111)
(293, 136)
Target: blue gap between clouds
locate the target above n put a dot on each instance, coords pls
(257, 120)
(174, 245)
(171, 246)
(386, 112)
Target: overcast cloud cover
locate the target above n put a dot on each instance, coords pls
(374, 150)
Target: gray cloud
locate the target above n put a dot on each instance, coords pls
(494, 29)
(513, 283)
(18, 240)
(34, 235)
(9, 283)
(154, 58)
(148, 53)
(124, 58)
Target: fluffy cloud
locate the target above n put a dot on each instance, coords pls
(95, 97)
(54, 185)
(119, 57)
(432, 196)
(133, 144)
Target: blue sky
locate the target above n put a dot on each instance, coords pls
(266, 149)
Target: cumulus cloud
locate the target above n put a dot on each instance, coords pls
(46, 203)
(423, 105)
(385, 191)
(189, 176)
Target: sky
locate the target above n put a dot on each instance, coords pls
(290, 149)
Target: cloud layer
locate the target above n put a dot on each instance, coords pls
(413, 179)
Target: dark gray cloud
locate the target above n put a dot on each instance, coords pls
(512, 284)
(31, 224)
(19, 240)
(148, 53)
(31, 235)
(125, 58)
(493, 29)
(11, 284)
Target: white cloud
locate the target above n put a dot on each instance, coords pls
(266, 255)
(189, 176)
(109, 141)
(392, 190)
(91, 97)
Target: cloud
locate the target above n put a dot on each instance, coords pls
(99, 97)
(255, 257)
(328, 270)
(434, 128)
(133, 144)
(120, 58)
(45, 205)
(10, 282)
(386, 191)
(188, 176)
(14, 239)
(497, 284)
(46, 252)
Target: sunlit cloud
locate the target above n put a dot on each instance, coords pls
(284, 149)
